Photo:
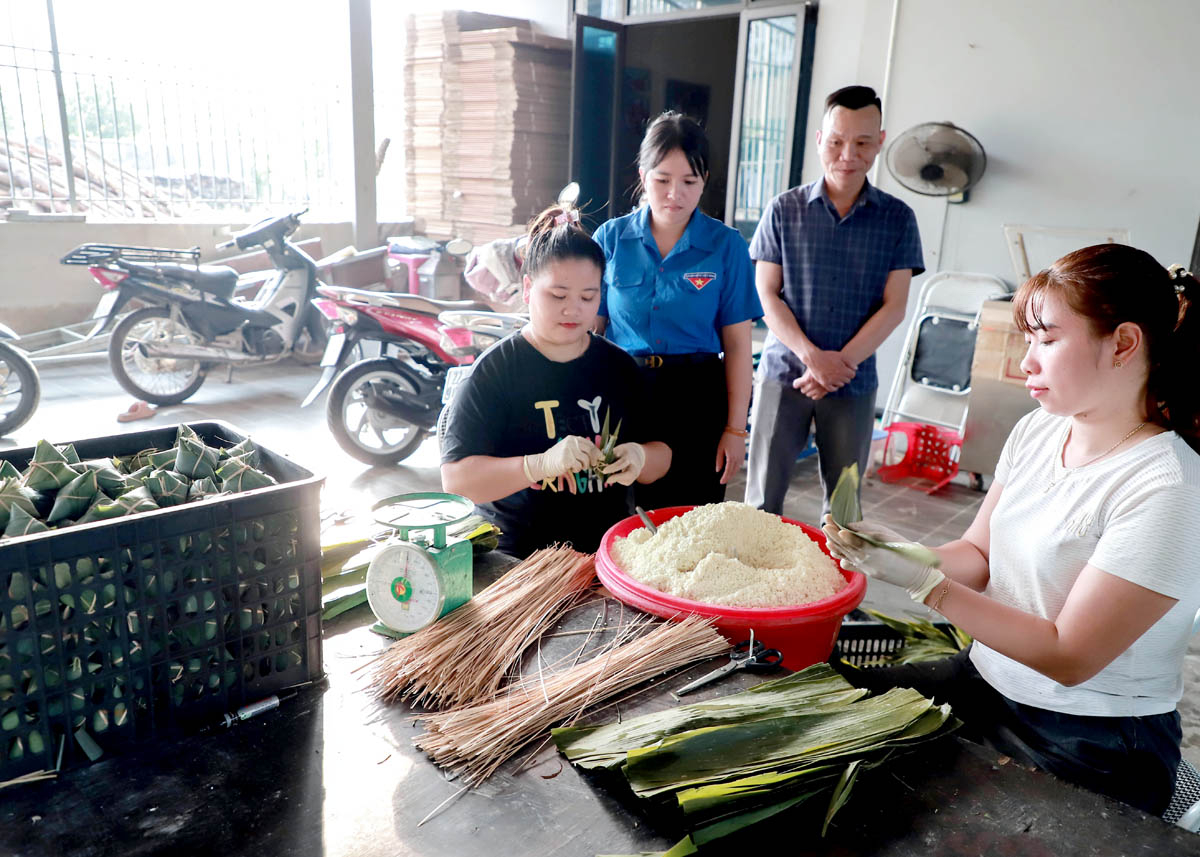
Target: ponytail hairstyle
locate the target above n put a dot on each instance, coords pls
(555, 235)
(1109, 284)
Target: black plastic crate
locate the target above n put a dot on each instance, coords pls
(127, 627)
(868, 643)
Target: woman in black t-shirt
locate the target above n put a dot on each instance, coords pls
(523, 430)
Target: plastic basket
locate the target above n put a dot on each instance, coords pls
(931, 453)
(113, 631)
(869, 643)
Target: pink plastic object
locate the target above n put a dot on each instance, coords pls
(804, 633)
(412, 261)
(931, 454)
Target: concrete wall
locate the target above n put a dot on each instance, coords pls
(1089, 111)
(36, 292)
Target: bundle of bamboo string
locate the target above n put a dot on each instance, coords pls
(463, 658)
(473, 742)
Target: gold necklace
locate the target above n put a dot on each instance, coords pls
(1096, 458)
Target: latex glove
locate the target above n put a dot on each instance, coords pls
(880, 563)
(627, 466)
(569, 455)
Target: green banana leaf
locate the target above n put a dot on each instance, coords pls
(21, 523)
(815, 689)
(722, 753)
(194, 458)
(923, 640)
(69, 453)
(49, 469)
(8, 471)
(75, 497)
(845, 510)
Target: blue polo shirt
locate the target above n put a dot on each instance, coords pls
(676, 305)
(834, 269)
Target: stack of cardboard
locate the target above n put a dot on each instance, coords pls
(489, 113)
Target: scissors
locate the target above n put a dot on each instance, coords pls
(748, 655)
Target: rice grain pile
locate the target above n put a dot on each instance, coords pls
(730, 554)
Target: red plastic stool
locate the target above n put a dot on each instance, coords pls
(932, 454)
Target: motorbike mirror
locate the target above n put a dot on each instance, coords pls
(458, 246)
(569, 195)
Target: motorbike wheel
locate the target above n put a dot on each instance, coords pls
(314, 336)
(20, 389)
(159, 380)
(367, 434)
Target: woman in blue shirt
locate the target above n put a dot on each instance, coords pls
(679, 293)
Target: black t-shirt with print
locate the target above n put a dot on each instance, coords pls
(518, 402)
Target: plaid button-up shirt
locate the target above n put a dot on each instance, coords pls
(834, 269)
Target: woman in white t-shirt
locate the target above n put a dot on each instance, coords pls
(1080, 576)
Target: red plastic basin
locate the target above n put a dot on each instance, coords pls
(804, 633)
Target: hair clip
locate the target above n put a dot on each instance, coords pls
(1179, 276)
(570, 216)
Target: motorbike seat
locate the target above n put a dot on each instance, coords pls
(403, 300)
(218, 280)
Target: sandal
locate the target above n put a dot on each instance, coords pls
(137, 411)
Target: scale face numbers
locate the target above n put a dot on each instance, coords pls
(404, 588)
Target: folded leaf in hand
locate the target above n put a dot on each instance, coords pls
(21, 523)
(194, 458)
(14, 495)
(846, 511)
(236, 474)
(48, 470)
(75, 497)
(167, 488)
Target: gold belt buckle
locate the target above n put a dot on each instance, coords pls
(654, 361)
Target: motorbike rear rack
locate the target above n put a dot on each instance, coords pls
(96, 254)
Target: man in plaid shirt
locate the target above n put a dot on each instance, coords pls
(834, 260)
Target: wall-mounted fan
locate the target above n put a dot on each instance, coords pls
(937, 159)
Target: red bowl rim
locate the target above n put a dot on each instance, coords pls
(851, 594)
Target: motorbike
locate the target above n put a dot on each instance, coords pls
(380, 408)
(20, 386)
(192, 320)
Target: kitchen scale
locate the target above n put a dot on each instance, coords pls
(420, 575)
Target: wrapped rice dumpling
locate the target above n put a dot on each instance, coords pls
(13, 495)
(138, 500)
(202, 488)
(242, 450)
(8, 471)
(21, 523)
(236, 474)
(111, 482)
(138, 477)
(194, 458)
(49, 469)
(69, 453)
(167, 488)
(75, 497)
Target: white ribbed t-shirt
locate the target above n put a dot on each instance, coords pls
(1135, 515)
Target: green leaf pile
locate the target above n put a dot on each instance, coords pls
(731, 762)
(57, 489)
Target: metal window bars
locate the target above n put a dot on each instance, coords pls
(123, 139)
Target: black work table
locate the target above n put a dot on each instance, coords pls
(333, 772)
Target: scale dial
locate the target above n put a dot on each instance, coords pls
(405, 588)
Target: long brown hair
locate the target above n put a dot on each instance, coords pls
(1109, 284)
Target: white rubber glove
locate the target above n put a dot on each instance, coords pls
(880, 563)
(569, 455)
(628, 464)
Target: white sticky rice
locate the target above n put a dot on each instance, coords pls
(730, 554)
